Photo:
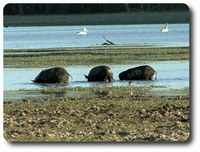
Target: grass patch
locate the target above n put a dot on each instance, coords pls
(90, 56)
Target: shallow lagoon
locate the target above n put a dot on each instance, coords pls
(170, 74)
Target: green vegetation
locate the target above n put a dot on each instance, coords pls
(93, 14)
(112, 115)
(88, 8)
(98, 19)
(88, 56)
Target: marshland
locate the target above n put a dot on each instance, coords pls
(99, 112)
(81, 111)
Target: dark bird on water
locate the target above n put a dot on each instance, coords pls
(107, 42)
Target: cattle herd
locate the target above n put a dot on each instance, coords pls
(98, 73)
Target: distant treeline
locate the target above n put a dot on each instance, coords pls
(48, 9)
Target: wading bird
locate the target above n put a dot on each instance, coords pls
(83, 32)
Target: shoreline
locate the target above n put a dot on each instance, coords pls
(93, 47)
(80, 92)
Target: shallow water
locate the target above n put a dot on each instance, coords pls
(170, 74)
(65, 36)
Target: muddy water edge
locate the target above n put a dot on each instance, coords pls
(96, 114)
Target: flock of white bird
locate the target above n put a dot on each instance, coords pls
(86, 31)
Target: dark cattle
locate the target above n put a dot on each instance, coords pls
(144, 72)
(100, 73)
(52, 75)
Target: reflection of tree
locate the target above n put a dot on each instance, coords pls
(21, 10)
(127, 8)
(143, 7)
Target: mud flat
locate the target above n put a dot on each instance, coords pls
(107, 115)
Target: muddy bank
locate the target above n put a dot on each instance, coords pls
(107, 117)
(91, 92)
(98, 114)
(117, 114)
